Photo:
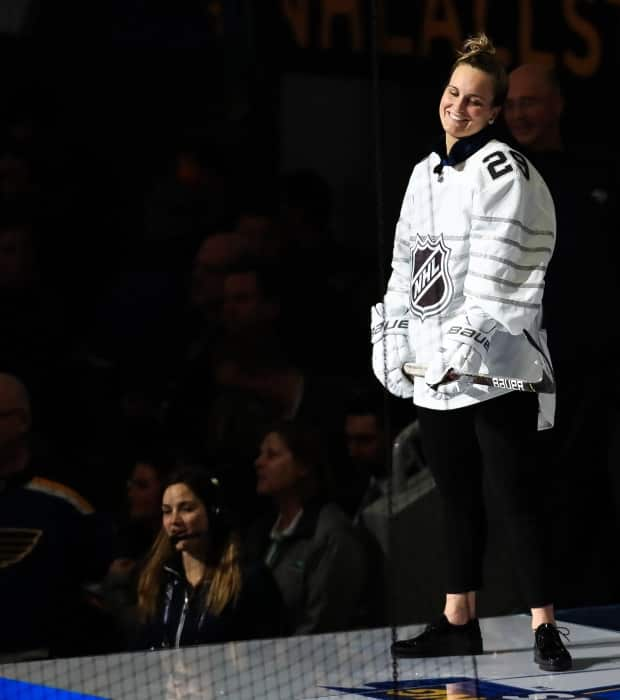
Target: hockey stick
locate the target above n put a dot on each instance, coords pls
(545, 385)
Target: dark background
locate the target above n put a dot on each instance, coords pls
(119, 81)
(114, 85)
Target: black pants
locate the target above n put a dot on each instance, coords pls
(500, 437)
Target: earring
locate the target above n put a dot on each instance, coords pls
(491, 121)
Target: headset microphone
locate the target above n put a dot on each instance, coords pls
(175, 539)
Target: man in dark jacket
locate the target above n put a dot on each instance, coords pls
(51, 543)
(578, 308)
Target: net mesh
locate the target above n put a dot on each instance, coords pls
(354, 663)
(351, 664)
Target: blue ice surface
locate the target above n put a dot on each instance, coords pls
(20, 690)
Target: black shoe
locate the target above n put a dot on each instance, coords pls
(441, 638)
(549, 651)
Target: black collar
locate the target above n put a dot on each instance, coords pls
(462, 149)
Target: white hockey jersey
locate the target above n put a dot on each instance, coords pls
(479, 233)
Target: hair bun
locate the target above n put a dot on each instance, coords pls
(476, 44)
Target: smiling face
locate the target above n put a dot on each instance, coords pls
(466, 106)
(533, 108)
(183, 513)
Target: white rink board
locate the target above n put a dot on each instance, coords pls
(346, 665)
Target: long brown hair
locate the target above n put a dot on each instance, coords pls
(222, 555)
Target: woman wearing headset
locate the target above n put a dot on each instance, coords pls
(194, 588)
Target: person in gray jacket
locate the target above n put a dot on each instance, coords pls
(307, 541)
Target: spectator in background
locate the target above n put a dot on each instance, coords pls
(256, 221)
(36, 341)
(366, 473)
(583, 188)
(534, 108)
(193, 377)
(367, 449)
(18, 268)
(17, 173)
(307, 541)
(195, 588)
(582, 185)
(191, 198)
(371, 421)
(251, 307)
(322, 273)
(137, 530)
(144, 489)
(363, 480)
(39, 346)
(260, 354)
(214, 255)
(254, 380)
(242, 314)
(584, 191)
(139, 323)
(52, 543)
(133, 351)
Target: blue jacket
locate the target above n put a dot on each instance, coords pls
(51, 544)
(181, 619)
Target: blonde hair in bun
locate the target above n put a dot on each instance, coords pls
(478, 51)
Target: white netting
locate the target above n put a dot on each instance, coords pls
(348, 664)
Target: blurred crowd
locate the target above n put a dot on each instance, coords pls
(177, 322)
(202, 311)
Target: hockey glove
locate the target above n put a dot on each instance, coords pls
(390, 349)
(467, 345)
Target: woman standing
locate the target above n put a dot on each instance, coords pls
(472, 245)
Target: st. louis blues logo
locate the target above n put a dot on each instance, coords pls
(463, 688)
(431, 286)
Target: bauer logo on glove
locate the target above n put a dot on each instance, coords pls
(390, 349)
(473, 333)
(468, 343)
(390, 325)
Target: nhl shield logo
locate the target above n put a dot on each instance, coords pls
(431, 286)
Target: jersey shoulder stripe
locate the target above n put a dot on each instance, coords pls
(62, 491)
